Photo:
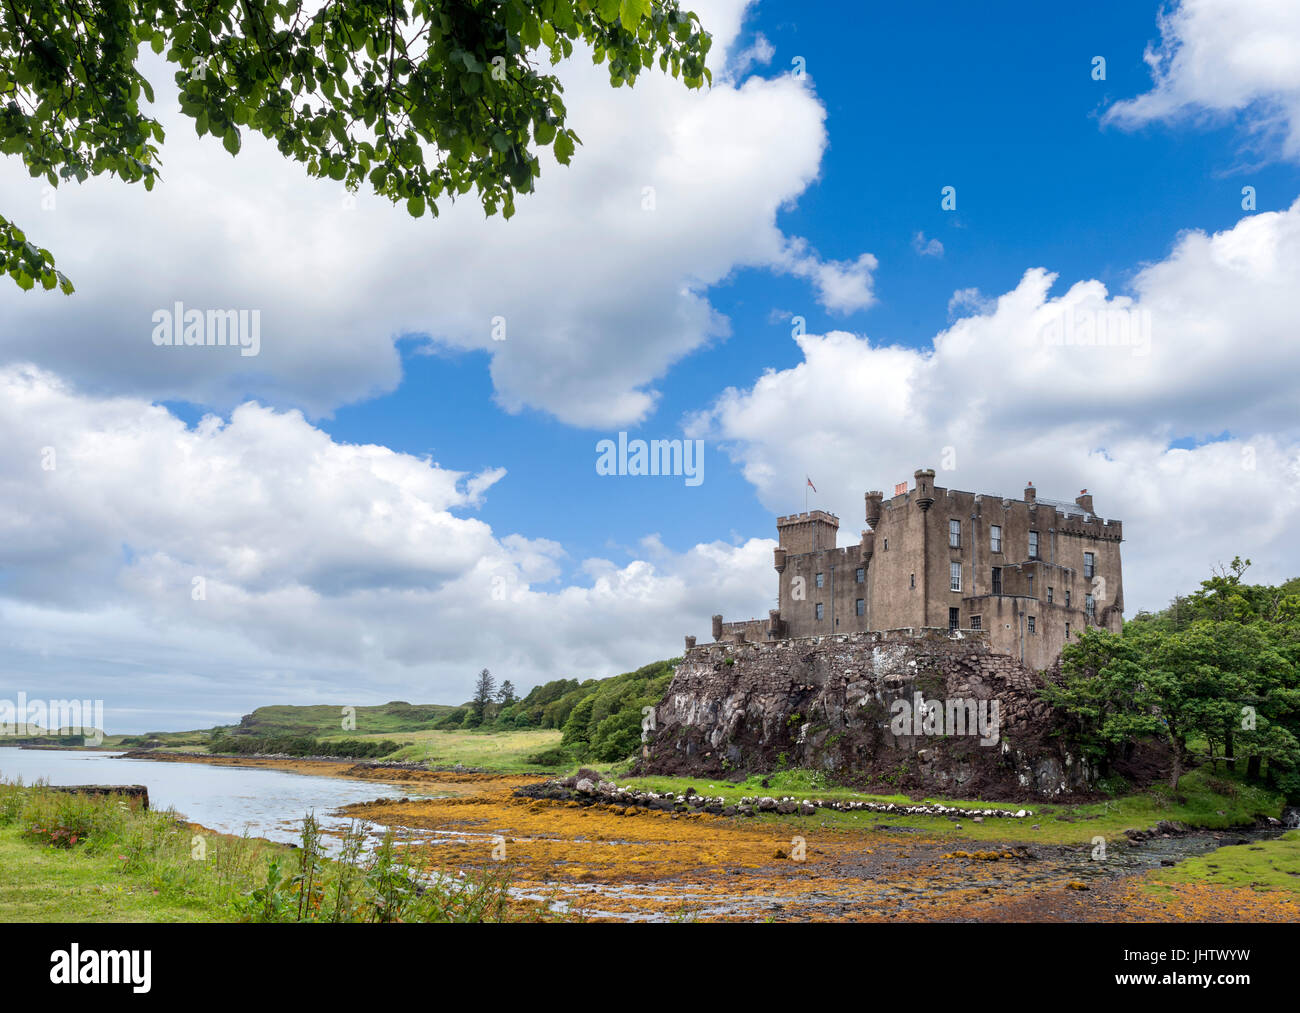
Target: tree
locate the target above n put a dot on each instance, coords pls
(418, 100)
(506, 694)
(484, 691)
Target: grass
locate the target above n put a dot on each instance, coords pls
(504, 752)
(1205, 799)
(75, 858)
(1261, 865)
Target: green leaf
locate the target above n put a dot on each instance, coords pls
(231, 141)
(157, 42)
(563, 147)
(415, 206)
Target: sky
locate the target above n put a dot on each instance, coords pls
(875, 244)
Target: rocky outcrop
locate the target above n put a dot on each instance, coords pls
(908, 711)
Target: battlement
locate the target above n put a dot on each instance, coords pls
(806, 518)
(1030, 572)
(807, 532)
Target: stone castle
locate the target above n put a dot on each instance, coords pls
(1028, 574)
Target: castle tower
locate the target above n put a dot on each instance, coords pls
(810, 532)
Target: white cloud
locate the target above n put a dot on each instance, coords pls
(843, 286)
(1014, 406)
(330, 572)
(758, 53)
(599, 294)
(1220, 57)
(926, 247)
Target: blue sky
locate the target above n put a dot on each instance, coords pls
(1001, 105)
(355, 498)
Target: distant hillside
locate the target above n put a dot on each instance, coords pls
(553, 726)
(321, 720)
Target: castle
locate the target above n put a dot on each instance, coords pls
(1030, 573)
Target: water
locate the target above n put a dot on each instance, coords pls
(230, 800)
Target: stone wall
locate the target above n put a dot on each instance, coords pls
(837, 703)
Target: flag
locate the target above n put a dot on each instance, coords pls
(810, 485)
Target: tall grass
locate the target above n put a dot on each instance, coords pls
(246, 879)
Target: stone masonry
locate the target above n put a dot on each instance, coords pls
(1029, 572)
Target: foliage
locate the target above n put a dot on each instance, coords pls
(485, 692)
(300, 745)
(1219, 668)
(417, 100)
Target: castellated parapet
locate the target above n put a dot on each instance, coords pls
(1031, 573)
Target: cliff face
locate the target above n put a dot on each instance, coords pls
(913, 712)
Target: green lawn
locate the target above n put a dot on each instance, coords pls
(43, 884)
(506, 752)
(1264, 865)
(1205, 799)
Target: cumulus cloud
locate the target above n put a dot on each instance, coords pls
(842, 286)
(186, 574)
(597, 285)
(1082, 389)
(1221, 57)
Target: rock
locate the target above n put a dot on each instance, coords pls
(585, 786)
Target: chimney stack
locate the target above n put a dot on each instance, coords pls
(1031, 494)
(1084, 500)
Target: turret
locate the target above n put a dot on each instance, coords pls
(924, 488)
(874, 499)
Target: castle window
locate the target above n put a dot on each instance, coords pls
(954, 534)
(913, 580)
(997, 580)
(1031, 625)
(1089, 564)
(886, 545)
(1067, 598)
(821, 611)
(976, 623)
(954, 620)
(1090, 607)
(1031, 585)
(1049, 594)
(860, 575)
(1067, 631)
(821, 580)
(995, 538)
(860, 606)
(1033, 545)
(954, 576)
